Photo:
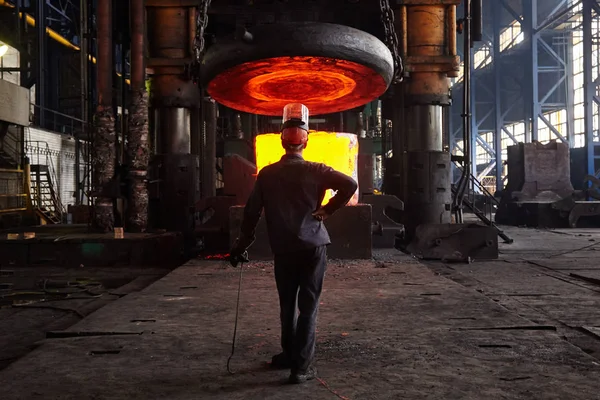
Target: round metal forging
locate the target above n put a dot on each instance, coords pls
(354, 60)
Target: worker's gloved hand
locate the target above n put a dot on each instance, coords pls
(321, 214)
(238, 256)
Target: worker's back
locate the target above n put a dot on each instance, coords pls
(292, 190)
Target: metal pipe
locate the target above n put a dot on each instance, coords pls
(105, 54)
(209, 172)
(451, 25)
(138, 22)
(83, 63)
(476, 21)
(466, 118)
(138, 146)
(192, 15)
(42, 59)
(104, 138)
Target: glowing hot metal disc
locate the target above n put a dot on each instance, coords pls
(329, 68)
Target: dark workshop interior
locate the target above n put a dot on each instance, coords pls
(465, 266)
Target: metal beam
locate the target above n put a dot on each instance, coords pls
(530, 10)
(498, 118)
(588, 89)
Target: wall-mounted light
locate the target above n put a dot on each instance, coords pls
(3, 50)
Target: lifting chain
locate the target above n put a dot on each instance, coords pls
(199, 43)
(391, 38)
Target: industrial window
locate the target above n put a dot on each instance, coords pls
(511, 36)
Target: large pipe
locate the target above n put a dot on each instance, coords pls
(209, 171)
(476, 21)
(104, 140)
(138, 149)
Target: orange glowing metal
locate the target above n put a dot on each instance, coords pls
(337, 150)
(324, 85)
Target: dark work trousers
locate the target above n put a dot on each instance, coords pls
(299, 277)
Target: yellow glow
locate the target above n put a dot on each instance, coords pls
(3, 50)
(337, 150)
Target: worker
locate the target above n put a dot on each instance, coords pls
(291, 191)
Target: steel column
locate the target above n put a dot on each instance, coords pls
(588, 82)
(42, 60)
(138, 148)
(498, 119)
(104, 140)
(429, 52)
(473, 117)
(530, 9)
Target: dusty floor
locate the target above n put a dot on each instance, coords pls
(524, 327)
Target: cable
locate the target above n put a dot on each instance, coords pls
(237, 311)
(573, 251)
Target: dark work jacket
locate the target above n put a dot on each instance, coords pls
(290, 190)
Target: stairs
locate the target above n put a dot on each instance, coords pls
(43, 196)
(469, 201)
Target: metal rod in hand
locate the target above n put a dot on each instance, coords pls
(237, 310)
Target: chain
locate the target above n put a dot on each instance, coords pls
(391, 38)
(199, 43)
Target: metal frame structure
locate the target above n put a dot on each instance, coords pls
(45, 32)
(523, 82)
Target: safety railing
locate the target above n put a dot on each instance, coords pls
(13, 195)
(478, 197)
(58, 122)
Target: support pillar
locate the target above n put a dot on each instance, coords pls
(174, 101)
(138, 150)
(104, 139)
(588, 85)
(429, 51)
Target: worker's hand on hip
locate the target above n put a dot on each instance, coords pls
(320, 214)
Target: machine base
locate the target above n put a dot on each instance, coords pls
(349, 228)
(453, 242)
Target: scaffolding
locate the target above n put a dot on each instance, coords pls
(535, 78)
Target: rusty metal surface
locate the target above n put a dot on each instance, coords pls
(172, 90)
(349, 228)
(138, 152)
(104, 167)
(239, 177)
(428, 193)
(306, 41)
(539, 190)
(174, 191)
(539, 171)
(454, 242)
(428, 46)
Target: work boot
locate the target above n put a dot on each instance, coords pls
(303, 376)
(280, 361)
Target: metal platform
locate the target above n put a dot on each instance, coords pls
(74, 246)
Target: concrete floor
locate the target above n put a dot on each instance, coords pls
(524, 327)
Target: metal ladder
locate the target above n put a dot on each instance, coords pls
(43, 196)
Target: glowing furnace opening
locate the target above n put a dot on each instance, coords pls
(337, 150)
